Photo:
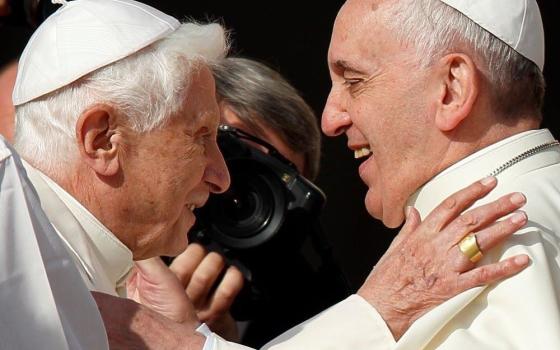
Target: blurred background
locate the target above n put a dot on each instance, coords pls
(292, 37)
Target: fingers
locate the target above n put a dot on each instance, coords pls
(494, 235)
(224, 295)
(498, 232)
(484, 215)
(204, 277)
(184, 265)
(491, 273)
(451, 207)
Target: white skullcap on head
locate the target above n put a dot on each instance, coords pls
(82, 36)
(517, 23)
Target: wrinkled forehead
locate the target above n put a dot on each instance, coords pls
(357, 22)
(359, 12)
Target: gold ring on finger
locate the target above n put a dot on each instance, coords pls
(470, 248)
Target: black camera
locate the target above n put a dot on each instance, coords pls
(267, 225)
(266, 190)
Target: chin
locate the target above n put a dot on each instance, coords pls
(391, 217)
(393, 221)
(177, 238)
(173, 253)
(178, 246)
(374, 206)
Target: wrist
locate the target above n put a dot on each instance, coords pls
(196, 342)
(398, 321)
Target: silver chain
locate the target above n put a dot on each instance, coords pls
(528, 153)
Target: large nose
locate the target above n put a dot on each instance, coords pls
(217, 174)
(335, 120)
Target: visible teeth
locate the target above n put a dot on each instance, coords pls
(362, 152)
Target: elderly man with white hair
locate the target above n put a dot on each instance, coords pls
(435, 94)
(116, 118)
(117, 121)
(120, 155)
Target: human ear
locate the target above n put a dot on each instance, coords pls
(459, 90)
(96, 139)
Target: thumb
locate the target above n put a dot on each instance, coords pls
(412, 221)
(153, 270)
(160, 290)
(131, 285)
(411, 224)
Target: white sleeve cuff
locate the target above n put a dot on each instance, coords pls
(210, 342)
(215, 342)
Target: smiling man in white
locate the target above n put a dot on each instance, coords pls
(434, 94)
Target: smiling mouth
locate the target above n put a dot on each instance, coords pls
(362, 152)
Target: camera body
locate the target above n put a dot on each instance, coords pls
(267, 225)
(266, 189)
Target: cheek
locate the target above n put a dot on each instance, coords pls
(371, 120)
(191, 173)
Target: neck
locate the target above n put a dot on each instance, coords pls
(472, 137)
(511, 157)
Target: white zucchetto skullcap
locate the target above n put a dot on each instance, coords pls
(517, 23)
(83, 36)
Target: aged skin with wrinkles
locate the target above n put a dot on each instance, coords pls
(179, 164)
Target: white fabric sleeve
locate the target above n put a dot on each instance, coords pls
(215, 342)
(44, 303)
(352, 324)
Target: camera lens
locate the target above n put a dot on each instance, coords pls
(251, 211)
(246, 208)
(240, 209)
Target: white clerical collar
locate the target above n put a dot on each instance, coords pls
(481, 164)
(117, 257)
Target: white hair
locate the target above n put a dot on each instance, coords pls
(148, 88)
(435, 29)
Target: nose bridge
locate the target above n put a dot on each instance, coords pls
(217, 174)
(335, 119)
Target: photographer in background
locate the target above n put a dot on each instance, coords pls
(259, 101)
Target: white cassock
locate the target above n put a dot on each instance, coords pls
(43, 302)
(103, 261)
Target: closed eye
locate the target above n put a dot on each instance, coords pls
(352, 82)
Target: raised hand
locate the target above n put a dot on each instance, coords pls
(424, 265)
